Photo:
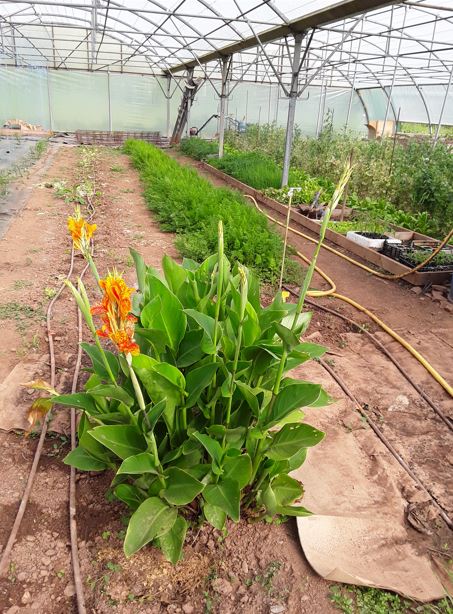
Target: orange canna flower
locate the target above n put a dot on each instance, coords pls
(114, 311)
(81, 231)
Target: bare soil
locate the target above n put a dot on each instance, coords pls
(253, 568)
(250, 569)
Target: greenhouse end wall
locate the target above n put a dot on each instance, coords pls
(70, 100)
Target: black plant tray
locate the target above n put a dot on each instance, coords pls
(371, 235)
(399, 253)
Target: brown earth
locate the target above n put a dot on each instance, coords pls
(254, 568)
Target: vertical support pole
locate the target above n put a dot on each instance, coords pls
(292, 108)
(13, 41)
(49, 101)
(109, 102)
(168, 133)
(223, 98)
(53, 47)
(389, 95)
(94, 25)
(348, 114)
(442, 110)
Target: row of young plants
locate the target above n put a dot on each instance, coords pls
(261, 172)
(190, 206)
(190, 408)
(410, 178)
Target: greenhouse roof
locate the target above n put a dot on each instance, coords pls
(359, 43)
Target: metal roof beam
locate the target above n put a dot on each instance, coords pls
(336, 12)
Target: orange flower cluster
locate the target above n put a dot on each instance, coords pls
(114, 310)
(81, 231)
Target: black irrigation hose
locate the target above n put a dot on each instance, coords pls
(386, 442)
(78, 584)
(385, 351)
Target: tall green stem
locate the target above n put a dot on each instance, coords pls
(220, 276)
(142, 405)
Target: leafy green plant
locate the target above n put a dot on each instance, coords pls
(189, 205)
(252, 168)
(197, 148)
(196, 419)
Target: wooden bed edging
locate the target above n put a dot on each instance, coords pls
(370, 255)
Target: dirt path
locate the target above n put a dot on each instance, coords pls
(256, 569)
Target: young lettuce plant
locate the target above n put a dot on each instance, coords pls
(194, 413)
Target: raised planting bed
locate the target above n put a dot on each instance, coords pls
(419, 278)
(118, 137)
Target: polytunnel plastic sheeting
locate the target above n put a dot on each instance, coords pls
(23, 95)
(256, 103)
(138, 103)
(79, 100)
(375, 101)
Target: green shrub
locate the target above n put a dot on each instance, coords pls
(197, 148)
(190, 206)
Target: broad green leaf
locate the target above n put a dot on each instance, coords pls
(112, 392)
(190, 348)
(269, 500)
(162, 381)
(171, 543)
(154, 413)
(293, 510)
(239, 469)
(315, 350)
(165, 314)
(157, 338)
(124, 440)
(129, 494)
(80, 400)
(197, 380)
(174, 273)
(152, 519)
(290, 340)
(92, 446)
(98, 364)
(297, 460)
(294, 396)
(204, 321)
(83, 460)
(251, 328)
(302, 323)
(182, 488)
(214, 515)
(291, 438)
(138, 464)
(226, 495)
(286, 489)
(249, 396)
(140, 268)
(212, 446)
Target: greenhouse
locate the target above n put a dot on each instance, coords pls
(226, 237)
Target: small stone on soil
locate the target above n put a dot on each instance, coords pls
(277, 609)
(69, 591)
(188, 608)
(26, 597)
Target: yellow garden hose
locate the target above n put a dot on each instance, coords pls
(332, 292)
(400, 339)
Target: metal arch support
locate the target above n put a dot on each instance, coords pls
(293, 93)
(365, 108)
(226, 66)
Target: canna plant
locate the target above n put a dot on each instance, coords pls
(194, 411)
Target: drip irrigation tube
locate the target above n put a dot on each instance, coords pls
(332, 292)
(385, 351)
(386, 442)
(77, 577)
(31, 476)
